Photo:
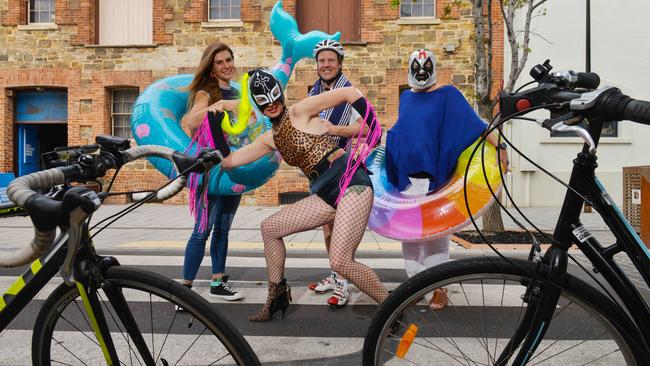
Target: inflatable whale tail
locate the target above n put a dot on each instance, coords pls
(295, 45)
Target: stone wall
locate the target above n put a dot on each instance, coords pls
(68, 57)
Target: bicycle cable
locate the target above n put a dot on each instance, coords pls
(491, 128)
(137, 204)
(110, 185)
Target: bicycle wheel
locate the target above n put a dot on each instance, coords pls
(484, 308)
(197, 336)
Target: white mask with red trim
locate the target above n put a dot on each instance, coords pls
(422, 69)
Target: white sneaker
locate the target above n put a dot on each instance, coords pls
(340, 296)
(326, 284)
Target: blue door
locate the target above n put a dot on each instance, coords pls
(41, 119)
(28, 149)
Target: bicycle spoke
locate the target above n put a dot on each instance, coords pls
(570, 348)
(496, 339)
(80, 331)
(449, 340)
(220, 358)
(191, 345)
(560, 337)
(117, 324)
(601, 357)
(437, 348)
(485, 346)
(83, 314)
(166, 336)
(433, 347)
(60, 344)
(409, 361)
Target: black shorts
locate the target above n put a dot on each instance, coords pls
(326, 183)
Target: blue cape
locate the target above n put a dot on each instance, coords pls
(432, 130)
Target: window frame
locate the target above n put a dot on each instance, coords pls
(113, 113)
(422, 2)
(208, 6)
(52, 10)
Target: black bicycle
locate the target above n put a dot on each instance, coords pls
(507, 311)
(105, 313)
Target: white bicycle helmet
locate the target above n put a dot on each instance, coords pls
(329, 44)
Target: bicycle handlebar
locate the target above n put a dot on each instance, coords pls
(46, 213)
(565, 92)
(637, 111)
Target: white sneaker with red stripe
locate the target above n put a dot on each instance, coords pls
(340, 296)
(326, 284)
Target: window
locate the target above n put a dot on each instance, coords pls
(224, 9)
(125, 22)
(121, 107)
(417, 8)
(610, 129)
(330, 16)
(41, 11)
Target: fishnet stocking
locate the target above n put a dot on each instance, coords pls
(350, 221)
(349, 225)
(306, 214)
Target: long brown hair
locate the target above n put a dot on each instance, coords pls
(203, 79)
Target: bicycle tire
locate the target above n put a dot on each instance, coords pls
(135, 283)
(395, 313)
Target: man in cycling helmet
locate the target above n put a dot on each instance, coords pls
(344, 122)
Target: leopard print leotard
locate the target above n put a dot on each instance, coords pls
(300, 149)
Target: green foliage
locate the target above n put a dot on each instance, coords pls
(446, 11)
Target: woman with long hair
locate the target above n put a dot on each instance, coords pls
(210, 91)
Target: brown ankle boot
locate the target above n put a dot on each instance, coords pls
(278, 299)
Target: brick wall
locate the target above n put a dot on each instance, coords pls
(67, 57)
(14, 12)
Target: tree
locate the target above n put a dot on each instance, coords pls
(492, 220)
(518, 41)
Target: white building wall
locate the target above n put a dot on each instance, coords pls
(620, 54)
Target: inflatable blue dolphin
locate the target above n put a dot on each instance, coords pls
(158, 110)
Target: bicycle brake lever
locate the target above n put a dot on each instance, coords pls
(77, 217)
(567, 119)
(581, 132)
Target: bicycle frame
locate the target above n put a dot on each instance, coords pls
(25, 288)
(568, 231)
(45, 268)
(8, 210)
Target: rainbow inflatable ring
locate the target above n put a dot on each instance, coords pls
(412, 218)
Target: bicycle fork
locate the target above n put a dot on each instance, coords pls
(542, 299)
(96, 314)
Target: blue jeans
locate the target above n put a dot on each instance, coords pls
(221, 212)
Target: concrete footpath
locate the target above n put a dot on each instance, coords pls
(167, 228)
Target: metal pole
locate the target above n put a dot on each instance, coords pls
(588, 40)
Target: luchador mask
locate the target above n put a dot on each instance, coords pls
(265, 88)
(422, 69)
